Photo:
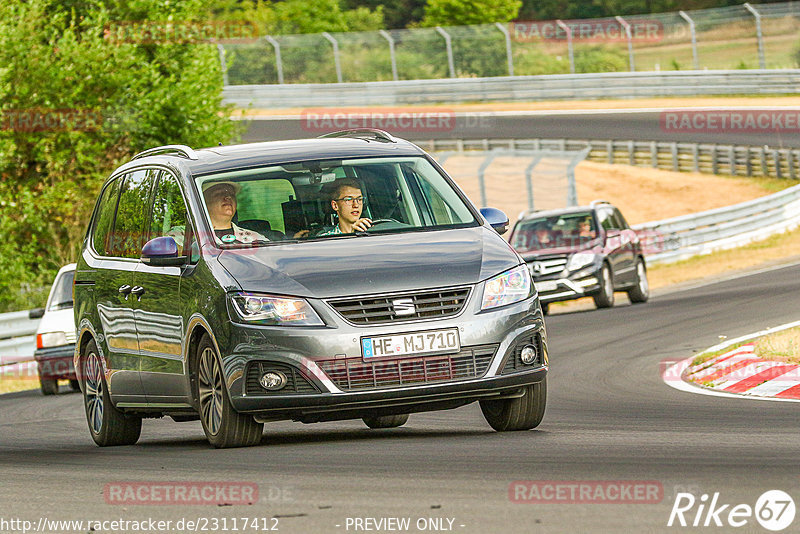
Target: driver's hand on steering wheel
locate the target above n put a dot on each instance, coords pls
(362, 224)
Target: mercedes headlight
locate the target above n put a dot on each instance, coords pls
(507, 288)
(580, 260)
(272, 310)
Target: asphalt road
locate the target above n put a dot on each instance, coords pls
(609, 417)
(594, 124)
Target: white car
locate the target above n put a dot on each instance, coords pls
(55, 337)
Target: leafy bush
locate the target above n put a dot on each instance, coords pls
(54, 57)
(600, 59)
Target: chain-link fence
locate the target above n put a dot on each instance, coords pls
(515, 180)
(745, 36)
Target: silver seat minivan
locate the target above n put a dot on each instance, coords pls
(344, 277)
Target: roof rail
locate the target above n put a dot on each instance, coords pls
(181, 150)
(363, 133)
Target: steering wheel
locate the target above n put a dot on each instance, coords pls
(389, 222)
(382, 221)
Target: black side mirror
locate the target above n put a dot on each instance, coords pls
(496, 219)
(36, 313)
(162, 252)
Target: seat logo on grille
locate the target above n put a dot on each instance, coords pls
(404, 307)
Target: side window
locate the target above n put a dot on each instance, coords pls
(104, 221)
(129, 225)
(606, 219)
(622, 224)
(269, 205)
(169, 212)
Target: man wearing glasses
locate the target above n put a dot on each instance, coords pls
(348, 202)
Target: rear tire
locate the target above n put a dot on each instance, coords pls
(605, 299)
(545, 308)
(49, 386)
(74, 384)
(522, 413)
(386, 421)
(107, 425)
(641, 291)
(224, 427)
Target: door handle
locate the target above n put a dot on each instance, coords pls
(138, 291)
(125, 290)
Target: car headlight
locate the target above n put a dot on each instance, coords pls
(270, 310)
(507, 288)
(580, 260)
(51, 339)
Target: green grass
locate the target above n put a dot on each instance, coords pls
(706, 356)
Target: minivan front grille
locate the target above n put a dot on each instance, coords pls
(355, 374)
(377, 309)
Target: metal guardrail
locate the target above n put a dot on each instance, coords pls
(571, 160)
(690, 235)
(17, 337)
(678, 157)
(517, 88)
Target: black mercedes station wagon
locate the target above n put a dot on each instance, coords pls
(344, 277)
(583, 251)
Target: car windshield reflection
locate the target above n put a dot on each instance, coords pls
(330, 199)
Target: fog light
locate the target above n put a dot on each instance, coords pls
(273, 380)
(528, 354)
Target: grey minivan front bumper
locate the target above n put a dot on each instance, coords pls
(487, 367)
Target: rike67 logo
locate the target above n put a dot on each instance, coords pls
(774, 510)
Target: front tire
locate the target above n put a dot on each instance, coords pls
(224, 427)
(386, 421)
(641, 291)
(605, 299)
(522, 413)
(107, 425)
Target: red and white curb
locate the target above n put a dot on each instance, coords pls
(738, 373)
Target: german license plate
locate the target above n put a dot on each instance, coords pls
(548, 285)
(413, 344)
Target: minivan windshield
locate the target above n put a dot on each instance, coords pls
(569, 230)
(322, 199)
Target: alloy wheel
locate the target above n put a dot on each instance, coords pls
(94, 392)
(209, 382)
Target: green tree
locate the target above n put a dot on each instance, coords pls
(397, 14)
(74, 105)
(462, 12)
